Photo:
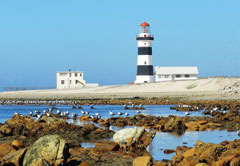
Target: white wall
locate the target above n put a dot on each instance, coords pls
(144, 58)
(142, 79)
(173, 77)
(70, 80)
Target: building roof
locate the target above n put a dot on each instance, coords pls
(69, 72)
(175, 70)
(144, 24)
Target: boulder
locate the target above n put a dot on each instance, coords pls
(14, 158)
(18, 144)
(132, 139)
(5, 149)
(143, 161)
(6, 130)
(105, 146)
(47, 150)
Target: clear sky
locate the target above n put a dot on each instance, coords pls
(40, 37)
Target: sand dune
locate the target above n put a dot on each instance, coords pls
(205, 88)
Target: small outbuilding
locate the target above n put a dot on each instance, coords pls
(175, 73)
(72, 79)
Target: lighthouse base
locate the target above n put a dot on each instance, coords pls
(144, 79)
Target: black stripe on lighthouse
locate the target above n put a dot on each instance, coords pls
(145, 70)
(144, 50)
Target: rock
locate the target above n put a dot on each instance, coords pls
(6, 130)
(18, 144)
(106, 146)
(49, 149)
(132, 139)
(143, 161)
(14, 158)
(201, 164)
(168, 151)
(175, 125)
(5, 149)
(189, 152)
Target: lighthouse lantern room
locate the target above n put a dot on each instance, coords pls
(144, 60)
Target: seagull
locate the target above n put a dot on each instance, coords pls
(83, 112)
(138, 111)
(86, 113)
(119, 113)
(74, 115)
(58, 112)
(92, 106)
(111, 113)
(126, 113)
(16, 113)
(187, 113)
(49, 110)
(30, 113)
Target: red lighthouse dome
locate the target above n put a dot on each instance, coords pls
(144, 24)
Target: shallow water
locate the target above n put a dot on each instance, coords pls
(160, 142)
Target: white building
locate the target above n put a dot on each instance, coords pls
(70, 79)
(175, 73)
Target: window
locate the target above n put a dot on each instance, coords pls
(70, 82)
(63, 74)
(70, 74)
(166, 76)
(62, 82)
(145, 62)
(187, 75)
(145, 44)
(75, 74)
(178, 76)
(76, 81)
(80, 74)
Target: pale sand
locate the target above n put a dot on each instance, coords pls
(206, 89)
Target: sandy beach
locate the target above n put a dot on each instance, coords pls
(201, 89)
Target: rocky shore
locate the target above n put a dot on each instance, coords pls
(50, 140)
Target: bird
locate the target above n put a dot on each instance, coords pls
(39, 116)
(86, 113)
(58, 111)
(111, 113)
(91, 106)
(74, 115)
(187, 113)
(120, 114)
(83, 112)
(138, 111)
(30, 113)
(49, 110)
(126, 113)
(48, 115)
(16, 113)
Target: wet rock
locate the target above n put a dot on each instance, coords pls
(168, 151)
(48, 150)
(133, 139)
(143, 161)
(17, 144)
(5, 149)
(176, 125)
(201, 164)
(106, 146)
(14, 158)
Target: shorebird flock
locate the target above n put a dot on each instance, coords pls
(95, 115)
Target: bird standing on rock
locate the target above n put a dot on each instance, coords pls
(126, 114)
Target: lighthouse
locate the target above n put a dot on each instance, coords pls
(144, 60)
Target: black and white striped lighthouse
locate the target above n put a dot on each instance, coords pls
(144, 62)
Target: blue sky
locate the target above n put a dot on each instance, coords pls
(38, 38)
